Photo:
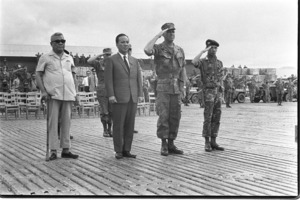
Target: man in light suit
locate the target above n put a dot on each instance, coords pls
(124, 89)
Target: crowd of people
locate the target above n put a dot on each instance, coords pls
(17, 80)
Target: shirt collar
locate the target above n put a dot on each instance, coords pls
(122, 55)
(52, 53)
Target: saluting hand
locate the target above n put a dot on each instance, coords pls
(205, 50)
(162, 32)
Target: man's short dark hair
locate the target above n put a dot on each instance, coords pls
(118, 36)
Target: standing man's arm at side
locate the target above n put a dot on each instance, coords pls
(39, 77)
(140, 82)
(109, 80)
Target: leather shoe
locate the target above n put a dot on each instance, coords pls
(69, 155)
(106, 134)
(207, 147)
(135, 131)
(53, 156)
(164, 151)
(119, 155)
(217, 147)
(175, 150)
(128, 154)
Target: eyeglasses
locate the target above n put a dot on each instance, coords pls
(171, 31)
(59, 41)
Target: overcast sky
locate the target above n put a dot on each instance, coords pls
(250, 32)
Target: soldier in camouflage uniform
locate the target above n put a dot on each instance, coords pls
(105, 106)
(4, 80)
(290, 90)
(252, 89)
(211, 71)
(24, 77)
(267, 90)
(171, 77)
(279, 90)
(228, 89)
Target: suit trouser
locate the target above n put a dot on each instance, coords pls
(59, 110)
(123, 115)
(168, 107)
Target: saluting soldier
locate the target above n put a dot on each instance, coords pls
(211, 71)
(171, 77)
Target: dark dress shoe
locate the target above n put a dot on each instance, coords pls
(217, 147)
(164, 151)
(69, 155)
(175, 150)
(107, 134)
(208, 147)
(135, 131)
(128, 154)
(53, 156)
(119, 155)
(228, 106)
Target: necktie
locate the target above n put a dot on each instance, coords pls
(126, 63)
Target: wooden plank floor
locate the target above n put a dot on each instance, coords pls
(260, 157)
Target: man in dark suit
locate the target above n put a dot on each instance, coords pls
(124, 88)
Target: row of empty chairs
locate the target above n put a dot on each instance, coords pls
(29, 102)
(18, 102)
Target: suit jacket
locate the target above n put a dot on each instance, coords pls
(121, 83)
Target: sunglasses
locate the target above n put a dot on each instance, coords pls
(59, 41)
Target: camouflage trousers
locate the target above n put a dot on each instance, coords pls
(290, 95)
(168, 108)
(267, 95)
(227, 97)
(212, 112)
(279, 97)
(105, 107)
(252, 95)
(201, 99)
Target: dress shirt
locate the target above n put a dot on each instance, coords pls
(126, 57)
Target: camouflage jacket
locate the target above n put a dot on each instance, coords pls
(279, 86)
(170, 68)
(211, 72)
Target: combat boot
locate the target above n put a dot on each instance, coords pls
(172, 148)
(164, 148)
(214, 145)
(207, 146)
